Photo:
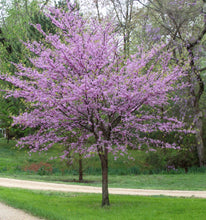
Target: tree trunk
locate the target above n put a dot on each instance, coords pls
(198, 113)
(105, 192)
(200, 145)
(7, 135)
(80, 168)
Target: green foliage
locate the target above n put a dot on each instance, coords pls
(156, 160)
(43, 171)
(165, 159)
(170, 159)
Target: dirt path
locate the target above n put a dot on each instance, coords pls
(8, 213)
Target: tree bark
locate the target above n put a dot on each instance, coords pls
(200, 145)
(104, 166)
(198, 113)
(80, 168)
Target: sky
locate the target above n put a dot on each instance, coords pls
(85, 5)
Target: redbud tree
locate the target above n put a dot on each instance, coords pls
(80, 84)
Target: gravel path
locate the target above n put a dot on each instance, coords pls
(8, 213)
(26, 184)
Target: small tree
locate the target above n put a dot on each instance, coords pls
(79, 81)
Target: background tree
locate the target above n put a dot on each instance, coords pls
(183, 24)
(126, 14)
(15, 27)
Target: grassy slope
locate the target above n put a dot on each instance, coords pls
(63, 206)
(13, 161)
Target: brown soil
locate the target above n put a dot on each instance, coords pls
(38, 167)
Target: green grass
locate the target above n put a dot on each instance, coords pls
(70, 206)
(14, 160)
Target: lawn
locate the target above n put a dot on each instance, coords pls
(122, 173)
(71, 206)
